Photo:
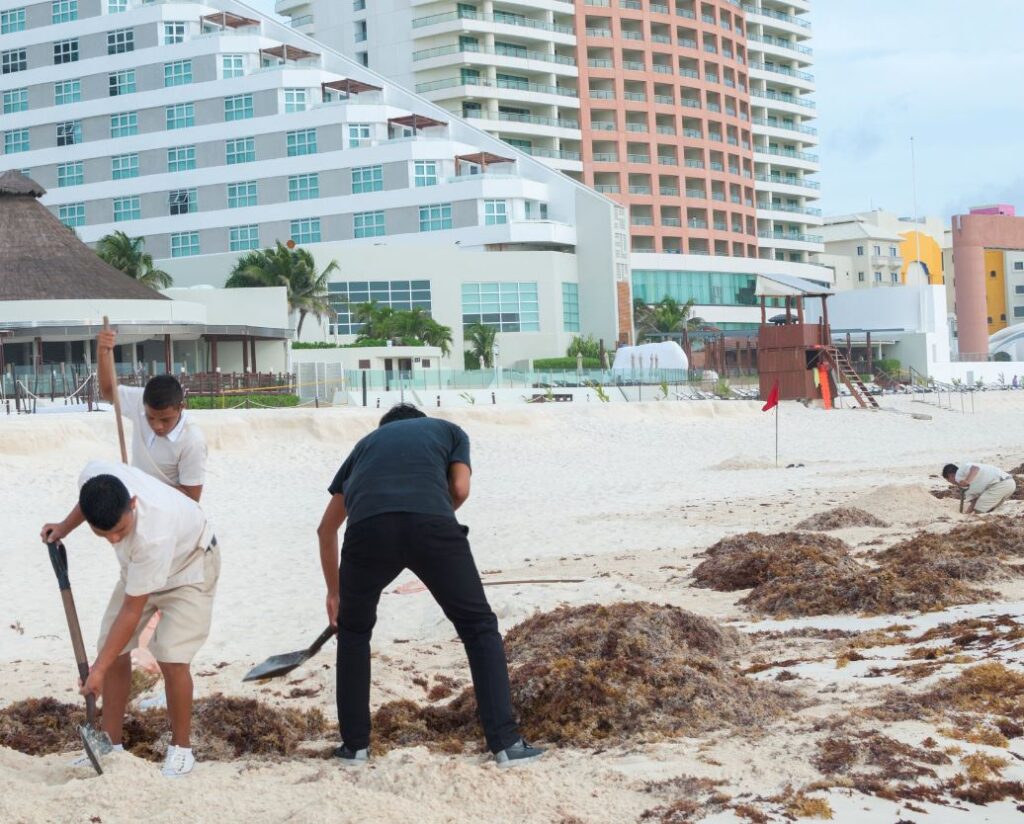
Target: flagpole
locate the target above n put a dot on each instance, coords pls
(776, 436)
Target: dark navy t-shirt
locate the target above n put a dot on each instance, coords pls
(402, 467)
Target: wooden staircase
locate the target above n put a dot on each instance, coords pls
(849, 376)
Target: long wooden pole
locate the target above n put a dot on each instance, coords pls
(117, 398)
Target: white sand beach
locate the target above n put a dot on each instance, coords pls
(622, 496)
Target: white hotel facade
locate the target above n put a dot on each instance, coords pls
(212, 130)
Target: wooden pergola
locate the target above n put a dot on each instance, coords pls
(286, 52)
(416, 122)
(227, 20)
(347, 87)
(482, 159)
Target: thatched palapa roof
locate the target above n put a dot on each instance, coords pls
(41, 259)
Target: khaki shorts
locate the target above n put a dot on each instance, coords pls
(185, 611)
(995, 494)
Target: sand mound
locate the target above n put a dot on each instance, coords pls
(588, 675)
(841, 517)
(223, 728)
(898, 504)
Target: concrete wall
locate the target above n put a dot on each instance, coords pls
(266, 307)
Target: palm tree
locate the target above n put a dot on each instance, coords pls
(295, 269)
(666, 318)
(439, 335)
(408, 326)
(128, 254)
(481, 341)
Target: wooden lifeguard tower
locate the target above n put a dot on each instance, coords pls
(799, 355)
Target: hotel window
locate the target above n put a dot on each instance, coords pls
(122, 82)
(70, 174)
(397, 294)
(508, 307)
(238, 107)
(174, 33)
(124, 166)
(178, 73)
(860, 250)
(301, 142)
(878, 277)
(13, 60)
(495, 212)
(294, 100)
(12, 21)
(16, 141)
(368, 224)
(895, 276)
(181, 116)
(571, 307)
(243, 238)
(120, 41)
(358, 135)
(16, 100)
(126, 208)
(241, 150)
(435, 217)
(69, 133)
(425, 173)
(878, 250)
(306, 230)
(72, 214)
(358, 5)
(181, 159)
(860, 276)
(65, 51)
(892, 251)
(367, 179)
(303, 187)
(360, 33)
(184, 244)
(1018, 311)
(124, 124)
(117, 6)
(182, 201)
(1019, 290)
(63, 11)
(232, 65)
(241, 195)
(67, 91)
(1018, 265)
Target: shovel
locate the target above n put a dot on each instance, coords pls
(278, 665)
(96, 742)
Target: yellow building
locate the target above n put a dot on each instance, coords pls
(921, 246)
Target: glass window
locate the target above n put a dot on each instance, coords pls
(13, 60)
(435, 217)
(15, 100)
(398, 294)
(16, 141)
(181, 116)
(243, 238)
(878, 250)
(892, 251)
(304, 187)
(860, 277)
(69, 133)
(860, 250)
(358, 134)
(358, 5)
(117, 6)
(1018, 311)
(241, 150)
(67, 91)
(425, 173)
(126, 208)
(878, 277)
(184, 244)
(12, 21)
(124, 166)
(571, 307)
(495, 212)
(181, 158)
(360, 32)
(368, 224)
(238, 107)
(72, 214)
(178, 73)
(242, 194)
(232, 65)
(174, 33)
(367, 179)
(1018, 265)
(294, 100)
(306, 230)
(70, 174)
(63, 11)
(704, 288)
(895, 276)
(65, 51)
(508, 307)
(122, 82)
(124, 124)
(182, 201)
(301, 142)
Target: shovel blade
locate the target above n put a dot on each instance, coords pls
(96, 745)
(277, 665)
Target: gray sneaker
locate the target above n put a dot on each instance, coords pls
(352, 758)
(519, 753)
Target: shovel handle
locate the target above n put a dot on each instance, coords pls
(323, 638)
(59, 561)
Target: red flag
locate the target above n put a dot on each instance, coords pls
(773, 397)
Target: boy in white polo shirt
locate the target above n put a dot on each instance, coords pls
(986, 486)
(169, 562)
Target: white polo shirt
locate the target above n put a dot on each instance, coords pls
(987, 475)
(165, 549)
(178, 458)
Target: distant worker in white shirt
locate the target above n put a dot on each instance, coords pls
(986, 486)
(169, 562)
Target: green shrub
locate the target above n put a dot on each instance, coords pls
(313, 344)
(230, 400)
(589, 347)
(470, 361)
(890, 366)
(565, 363)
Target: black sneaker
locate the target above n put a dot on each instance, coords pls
(519, 753)
(352, 758)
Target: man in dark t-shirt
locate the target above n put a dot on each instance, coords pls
(399, 489)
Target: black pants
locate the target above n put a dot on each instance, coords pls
(435, 548)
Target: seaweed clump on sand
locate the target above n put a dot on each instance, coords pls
(587, 675)
(223, 728)
(842, 517)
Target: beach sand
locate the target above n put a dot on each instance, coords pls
(623, 496)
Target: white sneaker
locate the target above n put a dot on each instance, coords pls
(179, 762)
(83, 759)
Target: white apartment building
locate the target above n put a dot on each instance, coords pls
(211, 130)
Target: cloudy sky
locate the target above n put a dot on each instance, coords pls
(950, 73)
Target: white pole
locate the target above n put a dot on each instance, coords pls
(913, 179)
